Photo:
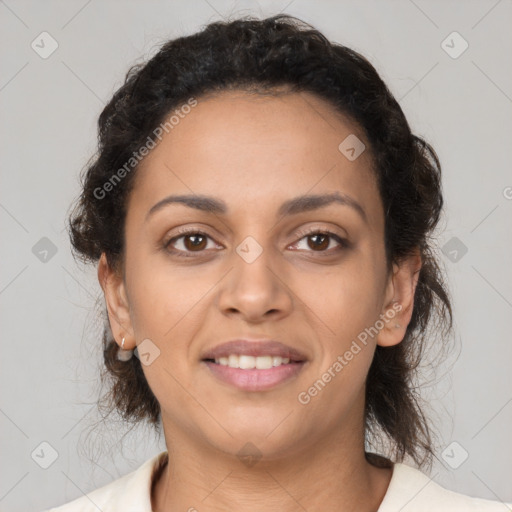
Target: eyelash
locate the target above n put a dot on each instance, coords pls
(343, 243)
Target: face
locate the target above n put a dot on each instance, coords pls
(253, 262)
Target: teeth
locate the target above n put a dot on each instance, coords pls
(249, 362)
(246, 362)
(263, 362)
(276, 360)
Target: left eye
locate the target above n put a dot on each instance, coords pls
(319, 241)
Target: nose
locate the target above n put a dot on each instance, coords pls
(256, 289)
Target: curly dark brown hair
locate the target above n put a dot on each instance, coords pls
(263, 56)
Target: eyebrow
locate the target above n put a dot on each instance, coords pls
(293, 206)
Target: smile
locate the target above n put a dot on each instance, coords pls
(251, 373)
(245, 362)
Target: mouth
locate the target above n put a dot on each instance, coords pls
(254, 365)
(248, 362)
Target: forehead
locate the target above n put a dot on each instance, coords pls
(251, 149)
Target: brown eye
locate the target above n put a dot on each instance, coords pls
(194, 242)
(188, 242)
(320, 241)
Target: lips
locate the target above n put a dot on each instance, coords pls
(254, 348)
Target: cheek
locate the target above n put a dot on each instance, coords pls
(348, 306)
(348, 303)
(161, 297)
(347, 300)
(170, 308)
(151, 305)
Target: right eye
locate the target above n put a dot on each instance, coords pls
(189, 241)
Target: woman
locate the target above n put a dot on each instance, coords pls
(260, 214)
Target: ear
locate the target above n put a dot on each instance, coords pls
(112, 284)
(399, 300)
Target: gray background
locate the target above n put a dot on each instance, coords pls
(50, 330)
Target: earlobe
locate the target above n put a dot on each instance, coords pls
(116, 301)
(398, 310)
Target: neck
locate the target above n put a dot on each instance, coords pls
(331, 474)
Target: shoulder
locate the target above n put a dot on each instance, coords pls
(130, 493)
(412, 491)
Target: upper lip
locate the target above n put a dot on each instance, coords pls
(254, 348)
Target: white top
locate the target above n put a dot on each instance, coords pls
(409, 491)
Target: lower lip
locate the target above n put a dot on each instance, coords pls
(255, 380)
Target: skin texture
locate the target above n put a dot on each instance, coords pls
(254, 153)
